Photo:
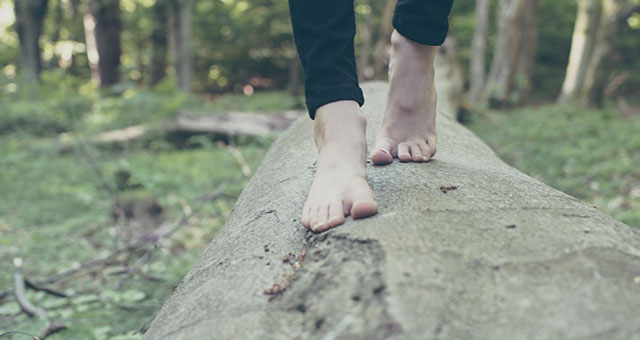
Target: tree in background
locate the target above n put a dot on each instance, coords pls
(158, 43)
(180, 14)
(102, 32)
(526, 52)
(29, 20)
(477, 73)
(594, 38)
(505, 55)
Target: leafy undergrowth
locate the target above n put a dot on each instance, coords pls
(56, 212)
(593, 155)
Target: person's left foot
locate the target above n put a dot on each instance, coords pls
(408, 129)
(340, 185)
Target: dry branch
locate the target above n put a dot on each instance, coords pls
(152, 240)
(254, 124)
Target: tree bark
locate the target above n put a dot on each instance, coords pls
(596, 78)
(179, 15)
(449, 79)
(582, 45)
(158, 69)
(479, 50)
(503, 67)
(365, 71)
(470, 248)
(103, 28)
(526, 51)
(384, 41)
(29, 21)
(594, 39)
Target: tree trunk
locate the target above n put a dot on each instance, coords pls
(598, 70)
(384, 40)
(179, 14)
(103, 28)
(594, 38)
(29, 20)
(526, 51)
(449, 79)
(479, 50)
(582, 44)
(470, 248)
(503, 67)
(159, 43)
(365, 71)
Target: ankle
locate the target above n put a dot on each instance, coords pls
(337, 122)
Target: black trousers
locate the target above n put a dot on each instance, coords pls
(324, 31)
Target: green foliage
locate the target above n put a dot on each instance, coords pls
(593, 155)
(56, 213)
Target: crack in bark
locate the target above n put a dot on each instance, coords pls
(339, 276)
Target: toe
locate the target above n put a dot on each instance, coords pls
(426, 150)
(416, 153)
(382, 152)
(336, 213)
(364, 202)
(403, 152)
(322, 221)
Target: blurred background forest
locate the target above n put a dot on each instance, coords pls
(116, 167)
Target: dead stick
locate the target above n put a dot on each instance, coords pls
(19, 291)
(138, 245)
(235, 153)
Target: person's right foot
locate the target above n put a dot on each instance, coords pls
(340, 185)
(408, 129)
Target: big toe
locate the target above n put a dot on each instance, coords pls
(381, 156)
(364, 202)
(382, 151)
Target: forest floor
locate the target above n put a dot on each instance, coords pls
(58, 207)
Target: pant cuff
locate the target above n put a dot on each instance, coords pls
(432, 37)
(333, 94)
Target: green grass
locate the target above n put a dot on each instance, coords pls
(593, 155)
(55, 212)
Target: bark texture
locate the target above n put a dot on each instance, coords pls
(384, 41)
(449, 79)
(477, 74)
(582, 44)
(464, 247)
(505, 55)
(29, 20)
(159, 43)
(594, 39)
(180, 13)
(103, 27)
(526, 51)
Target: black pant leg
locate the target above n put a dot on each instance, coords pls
(324, 31)
(423, 21)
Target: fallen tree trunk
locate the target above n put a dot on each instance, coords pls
(251, 124)
(463, 247)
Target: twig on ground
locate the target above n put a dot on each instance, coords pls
(27, 307)
(7, 333)
(19, 291)
(81, 147)
(150, 240)
(49, 291)
(246, 170)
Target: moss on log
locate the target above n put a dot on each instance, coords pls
(464, 247)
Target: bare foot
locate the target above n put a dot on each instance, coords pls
(340, 185)
(408, 129)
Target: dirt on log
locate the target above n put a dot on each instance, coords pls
(463, 247)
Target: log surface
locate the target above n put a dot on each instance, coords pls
(463, 247)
